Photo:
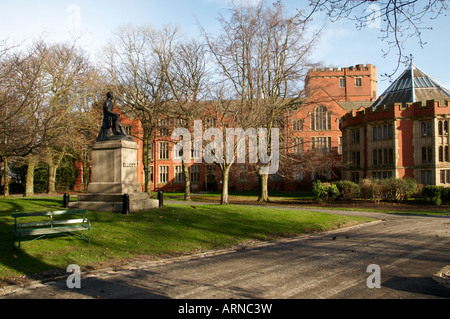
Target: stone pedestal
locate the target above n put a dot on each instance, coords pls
(114, 173)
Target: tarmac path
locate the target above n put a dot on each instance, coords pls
(409, 250)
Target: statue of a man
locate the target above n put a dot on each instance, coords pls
(111, 129)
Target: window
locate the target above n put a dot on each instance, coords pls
(342, 83)
(163, 150)
(441, 154)
(356, 137)
(390, 131)
(426, 128)
(322, 144)
(195, 153)
(391, 156)
(440, 128)
(430, 154)
(275, 177)
(375, 157)
(374, 133)
(385, 132)
(164, 174)
(340, 145)
(209, 122)
(243, 176)
(128, 129)
(320, 119)
(424, 155)
(356, 158)
(380, 157)
(298, 125)
(150, 151)
(298, 173)
(358, 82)
(298, 145)
(151, 174)
(163, 131)
(195, 173)
(423, 129)
(425, 177)
(443, 176)
(446, 154)
(179, 176)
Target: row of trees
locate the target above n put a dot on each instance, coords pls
(46, 96)
(248, 75)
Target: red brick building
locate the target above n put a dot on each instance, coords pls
(331, 93)
(405, 133)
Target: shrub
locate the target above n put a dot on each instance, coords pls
(348, 190)
(371, 189)
(365, 188)
(432, 193)
(445, 194)
(324, 192)
(397, 189)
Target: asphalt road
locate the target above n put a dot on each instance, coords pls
(409, 250)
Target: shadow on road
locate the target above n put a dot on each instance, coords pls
(425, 286)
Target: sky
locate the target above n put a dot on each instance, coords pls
(341, 44)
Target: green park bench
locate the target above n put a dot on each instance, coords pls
(62, 224)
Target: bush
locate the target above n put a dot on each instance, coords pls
(324, 192)
(371, 189)
(365, 188)
(396, 189)
(432, 193)
(348, 190)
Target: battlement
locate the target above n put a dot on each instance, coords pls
(396, 110)
(345, 70)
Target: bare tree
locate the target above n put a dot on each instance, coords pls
(399, 20)
(187, 78)
(264, 54)
(136, 60)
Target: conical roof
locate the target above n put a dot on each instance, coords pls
(413, 85)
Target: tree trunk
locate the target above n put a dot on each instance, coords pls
(263, 188)
(5, 176)
(145, 163)
(52, 168)
(187, 182)
(29, 182)
(225, 174)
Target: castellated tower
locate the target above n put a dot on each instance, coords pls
(350, 84)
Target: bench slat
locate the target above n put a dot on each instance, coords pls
(49, 213)
(50, 223)
(50, 231)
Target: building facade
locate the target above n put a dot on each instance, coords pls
(403, 134)
(315, 125)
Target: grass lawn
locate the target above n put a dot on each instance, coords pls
(243, 196)
(175, 229)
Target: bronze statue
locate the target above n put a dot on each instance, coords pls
(111, 129)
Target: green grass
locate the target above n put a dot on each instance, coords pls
(175, 229)
(243, 196)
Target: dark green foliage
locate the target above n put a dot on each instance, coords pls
(348, 190)
(325, 192)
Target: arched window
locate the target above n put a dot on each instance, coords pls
(320, 119)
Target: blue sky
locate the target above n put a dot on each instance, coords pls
(341, 44)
